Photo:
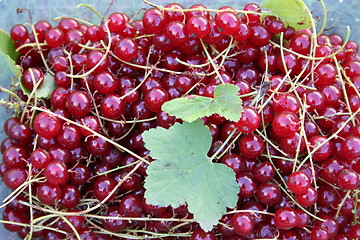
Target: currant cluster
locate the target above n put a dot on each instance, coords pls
(76, 162)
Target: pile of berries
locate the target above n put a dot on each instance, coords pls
(76, 162)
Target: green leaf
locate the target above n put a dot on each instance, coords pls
(225, 103)
(15, 69)
(292, 12)
(7, 46)
(8, 53)
(182, 172)
(45, 90)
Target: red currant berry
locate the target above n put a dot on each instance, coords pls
(286, 218)
(78, 103)
(249, 121)
(242, 223)
(286, 124)
(48, 193)
(298, 182)
(56, 172)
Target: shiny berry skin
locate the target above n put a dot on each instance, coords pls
(330, 169)
(46, 125)
(318, 233)
(32, 77)
(70, 196)
(354, 231)
(60, 64)
(198, 12)
(91, 122)
(116, 129)
(247, 185)
(154, 20)
(58, 97)
(330, 225)
(72, 40)
(48, 193)
(264, 172)
(251, 146)
(131, 206)
(40, 158)
(87, 234)
(20, 133)
(301, 44)
(323, 148)
(102, 188)
(7, 143)
(276, 26)
(249, 121)
(155, 98)
(252, 18)
(67, 24)
(286, 124)
(177, 33)
(105, 82)
(79, 174)
(13, 178)
(248, 74)
(15, 157)
(286, 218)
(126, 49)
(298, 182)
(56, 172)
(286, 102)
(227, 23)
(325, 74)
(69, 137)
(200, 234)
(348, 179)
(352, 68)
(242, 223)
(14, 216)
(234, 161)
(260, 35)
(290, 61)
(268, 193)
(9, 123)
(315, 101)
(97, 146)
(350, 147)
(307, 199)
(77, 221)
(291, 145)
(198, 27)
(174, 15)
(19, 33)
(41, 27)
(78, 103)
(59, 153)
(116, 22)
(97, 59)
(114, 225)
(303, 218)
(112, 106)
(54, 37)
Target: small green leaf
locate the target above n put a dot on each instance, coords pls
(7, 46)
(15, 69)
(182, 172)
(225, 103)
(45, 90)
(292, 12)
(8, 53)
